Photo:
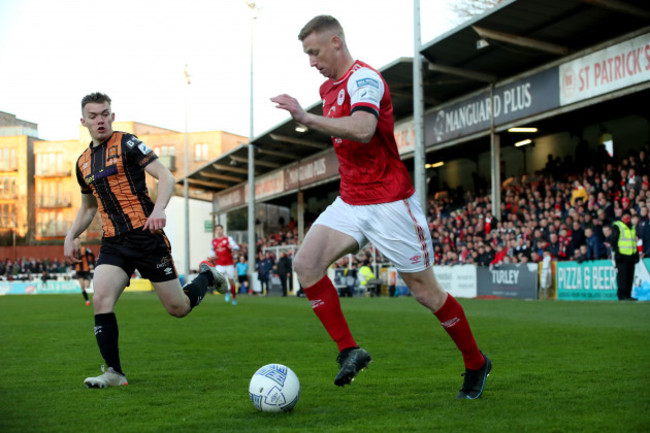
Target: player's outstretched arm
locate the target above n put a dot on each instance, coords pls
(360, 126)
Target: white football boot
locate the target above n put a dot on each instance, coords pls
(221, 283)
(110, 377)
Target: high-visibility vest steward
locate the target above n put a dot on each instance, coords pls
(626, 239)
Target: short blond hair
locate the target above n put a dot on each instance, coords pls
(320, 23)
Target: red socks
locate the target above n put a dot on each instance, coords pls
(452, 318)
(326, 304)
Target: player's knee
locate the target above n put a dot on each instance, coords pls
(305, 267)
(430, 297)
(422, 297)
(102, 303)
(299, 264)
(178, 310)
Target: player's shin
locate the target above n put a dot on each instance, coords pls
(107, 333)
(453, 320)
(326, 304)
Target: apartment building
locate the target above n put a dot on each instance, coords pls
(17, 139)
(39, 194)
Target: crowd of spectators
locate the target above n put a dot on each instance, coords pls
(564, 211)
(29, 269)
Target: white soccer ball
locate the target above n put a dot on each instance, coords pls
(274, 388)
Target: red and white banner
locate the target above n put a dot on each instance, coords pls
(605, 71)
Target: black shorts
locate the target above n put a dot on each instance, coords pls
(242, 278)
(83, 275)
(149, 253)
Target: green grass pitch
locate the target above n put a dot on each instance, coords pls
(558, 367)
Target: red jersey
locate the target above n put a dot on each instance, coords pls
(373, 172)
(114, 173)
(223, 247)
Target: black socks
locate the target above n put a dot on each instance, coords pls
(106, 333)
(197, 288)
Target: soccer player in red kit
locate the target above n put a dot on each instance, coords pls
(223, 246)
(377, 203)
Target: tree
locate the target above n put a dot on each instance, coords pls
(466, 9)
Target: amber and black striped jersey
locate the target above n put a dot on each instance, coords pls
(87, 259)
(114, 173)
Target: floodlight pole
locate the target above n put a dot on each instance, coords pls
(419, 157)
(251, 158)
(186, 193)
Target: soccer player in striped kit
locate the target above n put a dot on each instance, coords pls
(111, 175)
(85, 261)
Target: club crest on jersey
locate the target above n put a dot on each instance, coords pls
(341, 97)
(111, 153)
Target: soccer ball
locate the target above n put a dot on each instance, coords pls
(274, 388)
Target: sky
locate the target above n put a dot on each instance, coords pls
(52, 53)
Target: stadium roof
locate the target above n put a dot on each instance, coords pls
(521, 35)
(514, 37)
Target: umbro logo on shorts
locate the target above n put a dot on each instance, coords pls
(415, 260)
